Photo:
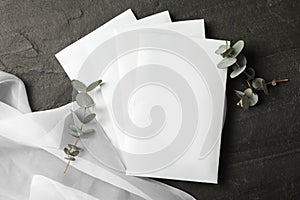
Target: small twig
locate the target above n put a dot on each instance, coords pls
(84, 101)
(248, 83)
(67, 166)
(248, 97)
(248, 75)
(77, 139)
(278, 81)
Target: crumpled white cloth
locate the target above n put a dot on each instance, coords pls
(32, 160)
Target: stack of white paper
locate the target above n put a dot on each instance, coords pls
(162, 104)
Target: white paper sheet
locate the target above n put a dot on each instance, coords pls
(206, 159)
(212, 107)
(83, 47)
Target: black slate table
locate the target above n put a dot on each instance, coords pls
(260, 154)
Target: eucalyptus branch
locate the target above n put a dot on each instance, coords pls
(84, 101)
(233, 58)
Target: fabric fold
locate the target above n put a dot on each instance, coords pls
(31, 153)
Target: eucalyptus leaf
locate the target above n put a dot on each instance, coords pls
(74, 134)
(239, 94)
(265, 89)
(238, 47)
(73, 147)
(248, 92)
(222, 49)
(87, 132)
(79, 86)
(258, 83)
(73, 128)
(74, 153)
(241, 60)
(66, 151)
(77, 120)
(245, 103)
(237, 71)
(84, 100)
(76, 131)
(252, 97)
(70, 158)
(250, 72)
(226, 62)
(93, 85)
(228, 52)
(89, 118)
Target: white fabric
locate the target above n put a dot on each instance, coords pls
(47, 189)
(12, 92)
(30, 145)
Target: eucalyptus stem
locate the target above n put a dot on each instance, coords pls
(67, 166)
(248, 75)
(77, 139)
(84, 100)
(233, 58)
(277, 81)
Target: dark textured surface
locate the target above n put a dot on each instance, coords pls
(260, 155)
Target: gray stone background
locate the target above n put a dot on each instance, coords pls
(260, 154)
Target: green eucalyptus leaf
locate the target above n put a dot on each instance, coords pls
(70, 158)
(228, 52)
(238, 47)
(73, 128)
(76, 117)
(79, 86)
(66, 151)
(73, 147)
(239, 94)
(250, 72)
(74, 134)
(89, 118)
(258, 83)
(226, 62)
(245, 103)
(84, 100)
(252, 97)
(93, 85)
(74, 153)
(237, 71)
(87, 132)
(76, 131)
(241, 60)
(248, 92)
(222, 49)
(265, 89)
